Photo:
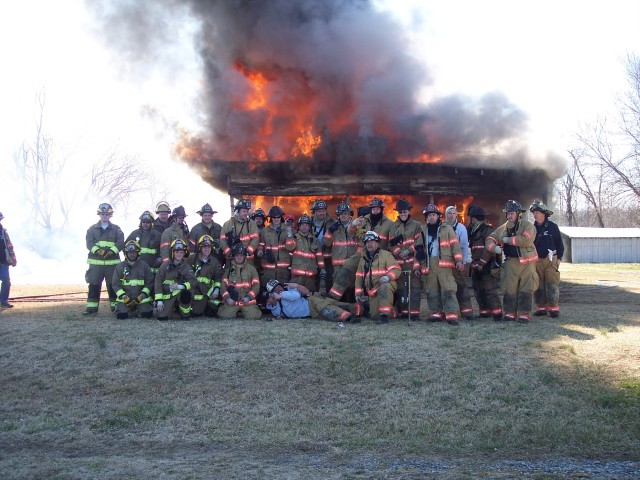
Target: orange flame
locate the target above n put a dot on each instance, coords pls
(302, 204)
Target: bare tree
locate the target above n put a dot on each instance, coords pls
(41, 166)
(591, 188)
(116, 178)
(605, 172)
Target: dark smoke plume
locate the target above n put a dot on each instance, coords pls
(339, 66)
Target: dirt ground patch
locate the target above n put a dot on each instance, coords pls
(100, 398)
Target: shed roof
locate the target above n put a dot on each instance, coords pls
(592, 232)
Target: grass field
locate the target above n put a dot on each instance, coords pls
(100, 398)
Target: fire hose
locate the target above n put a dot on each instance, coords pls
(66, 297)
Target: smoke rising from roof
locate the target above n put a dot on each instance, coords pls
(335, 73)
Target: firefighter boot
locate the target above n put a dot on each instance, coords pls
(553, 297)
(510, 301)
(525, 305)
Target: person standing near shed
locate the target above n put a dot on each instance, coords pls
(7, 259)
(550, 250)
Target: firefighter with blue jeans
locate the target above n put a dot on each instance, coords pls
(104, 241)
(7, 259)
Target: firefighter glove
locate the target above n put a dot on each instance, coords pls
(230, 301)
(246, 299)
(323, 274)
(126, 299)
(497, 249)
(102, 252)
(141, 297)
(396, 240)
(506, 240)
(216, 292)
(334, 227)
(385, 279)
(160, 306)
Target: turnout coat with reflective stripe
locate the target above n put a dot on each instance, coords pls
(412, 233)
(244, 279)
(110, 238)
(149, 242)
(522, 239)
(449, 251)
(171, 234)
(382, 228)
(132, 280)
(478, 235)
(341, 243)
(371, 269)
(274, 242)
(245, 230)
(306, 255)
(208, 274)
(201, 229)
(169, 273)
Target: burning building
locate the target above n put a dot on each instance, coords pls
(309, 98)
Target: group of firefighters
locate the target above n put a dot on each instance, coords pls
(336, 269)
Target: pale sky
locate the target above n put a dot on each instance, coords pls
(559, 61)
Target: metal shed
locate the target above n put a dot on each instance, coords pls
(601, 245)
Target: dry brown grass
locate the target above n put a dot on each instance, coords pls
(101, 398)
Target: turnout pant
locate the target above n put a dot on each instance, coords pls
(94, 276)
(329, 309)
(462, 294)
(382, 302)
(247, 311)
(547, 295)
(409, 293)
(441, 292)
(346, 277)
(485, 287)
(520, 281)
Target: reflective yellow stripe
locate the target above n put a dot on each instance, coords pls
(92, 261)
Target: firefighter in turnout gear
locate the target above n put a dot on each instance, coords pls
(259, 217)
(174, 282)
(206, 227)
(240, 229)
(163, 210)
(404, 242)
(132, 281)
(148, 238)
(341, 243)
(443, 254)
(321, 222)
(240, 287)
(208, 272)
(275, 260)
(296, 301)
(376, 278)
(375, 221)
(306, 251)
(177, 231)
(485, 284)
(514, 239)
(104, 242)
(550, 249)
(461, 276)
